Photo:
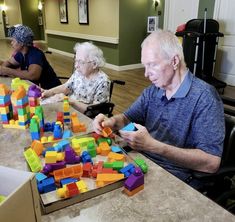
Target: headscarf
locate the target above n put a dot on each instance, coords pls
(23, 34)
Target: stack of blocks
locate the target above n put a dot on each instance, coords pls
(66, 110)
(37, 124)
(5, 104)
(20, 101)
(34, 94)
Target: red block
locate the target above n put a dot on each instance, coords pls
(72, 190)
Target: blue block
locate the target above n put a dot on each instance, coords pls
(68, 180)
(35, 135)
(49, 127)
(129, 127)
(24, 123)
(57, 132)
(67, 134)
(116, 149)
(22, 101)
(128, 170)
(5, 117)
(40, 177)
(60, 147)
(66, 120)
(5, 99)
(86, 157)
(47, 185)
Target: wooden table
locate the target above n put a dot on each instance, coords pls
(164, 198)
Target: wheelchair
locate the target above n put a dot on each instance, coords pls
(106, 107)
(220, 186)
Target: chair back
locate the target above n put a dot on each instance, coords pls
(228, 157)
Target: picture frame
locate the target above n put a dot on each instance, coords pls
(63, 11)
(83, 16)
(151, 24)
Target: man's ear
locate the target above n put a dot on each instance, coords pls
(175, 62)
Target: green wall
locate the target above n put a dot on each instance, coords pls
(29, 12)
(209, 4)
(132, 30)
(66, 44)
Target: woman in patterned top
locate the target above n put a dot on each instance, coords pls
(88, 84)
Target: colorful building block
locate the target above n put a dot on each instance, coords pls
(33, 160)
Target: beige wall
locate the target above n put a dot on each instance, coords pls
(13, 12)
(103, 17)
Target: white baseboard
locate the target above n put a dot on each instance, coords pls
(107, 65)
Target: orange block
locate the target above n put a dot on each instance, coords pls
(76, 125)
(116, 157)
(4, 90)
(133, 192)
(19, 93)
(103, 149)
(74, 172)
(37, 146)
(107, 178)
(106, 131)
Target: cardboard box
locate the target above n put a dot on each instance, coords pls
(22, 199)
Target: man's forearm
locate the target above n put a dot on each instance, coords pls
(195, 159)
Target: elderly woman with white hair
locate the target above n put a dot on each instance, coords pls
(88, 84)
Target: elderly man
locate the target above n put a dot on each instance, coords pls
(31, 61)
(179, 118)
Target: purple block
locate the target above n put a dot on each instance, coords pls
(70, 156)
(53, 166)
(34, 91)
(134, 180)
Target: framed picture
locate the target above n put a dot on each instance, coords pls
(83, 17)
(63, 10)
(152, 24)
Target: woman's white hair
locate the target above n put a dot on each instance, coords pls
(168, 43)
(92, 52)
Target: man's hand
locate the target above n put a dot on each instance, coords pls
(101, 121)
(138, 140)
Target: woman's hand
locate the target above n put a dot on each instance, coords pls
(46, 93)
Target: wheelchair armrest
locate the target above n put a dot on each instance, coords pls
(228, 101)
(223, 171)
(93, 110)
(119, 82)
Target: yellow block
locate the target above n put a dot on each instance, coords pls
(4, 110)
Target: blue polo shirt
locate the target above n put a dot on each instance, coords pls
(192, 118)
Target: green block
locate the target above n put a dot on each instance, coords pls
(108, 140)
(33, 160)
(141, 163)
(118, 165)
(34, 126)
(91, 149)
(108, 165)
(39, 112)
(21, 111)
(2, 198)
